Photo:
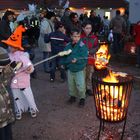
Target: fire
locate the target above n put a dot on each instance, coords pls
(111, 78)
(111, 97)
(102, 57)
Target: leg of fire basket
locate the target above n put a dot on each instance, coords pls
(100, 128)
(123, 128)
(103, 127)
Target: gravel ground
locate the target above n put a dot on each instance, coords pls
(57, 120)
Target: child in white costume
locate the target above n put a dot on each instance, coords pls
(20, 86)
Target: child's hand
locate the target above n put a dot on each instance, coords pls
(16, 65)
(74, 60)
(30, 69)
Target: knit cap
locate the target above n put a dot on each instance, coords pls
(4, 58)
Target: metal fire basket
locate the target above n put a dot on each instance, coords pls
(111, 100)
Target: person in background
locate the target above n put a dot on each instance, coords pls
(96, 22)
(74, 22)
(6, 109)
(66, 19)
(46, 27)
(91, 41)
(118, 26)
(5, 30)
(58, 40)
(83, 17)
(75, 64)
(137, 42)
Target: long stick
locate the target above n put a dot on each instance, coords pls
(47, 59)
(108, 67)
(62, 53)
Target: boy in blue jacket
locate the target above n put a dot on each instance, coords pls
(58, 39)
(75, 64)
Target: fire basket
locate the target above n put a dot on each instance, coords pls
(112, 96)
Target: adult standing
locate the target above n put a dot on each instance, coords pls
(137, 42)
(65, 18)
(74, 22)
(118, 25)
(5, 30)
(46, 27)
(96, 21)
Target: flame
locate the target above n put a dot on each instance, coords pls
(112, 94)
(111, 100)
(111, 78)
(102, 57)
(114, 91)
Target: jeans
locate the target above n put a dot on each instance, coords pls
(117, 46)
(46, 64)
(89, 72)
(56, 63)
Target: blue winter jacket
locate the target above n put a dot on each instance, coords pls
(58, 41)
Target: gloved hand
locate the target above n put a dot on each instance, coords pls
(16, 65)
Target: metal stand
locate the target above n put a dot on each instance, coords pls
(102, 126)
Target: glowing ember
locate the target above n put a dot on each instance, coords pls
(111, 99)
(102, 57)
(111, 78)
(111, 95)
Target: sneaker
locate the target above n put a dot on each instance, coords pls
(82, 102)
(51, 80)
(18, 116)
(89, 92)
(33, 113)
(71, 100)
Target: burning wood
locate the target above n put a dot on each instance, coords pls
(112, 98)
(102, 57)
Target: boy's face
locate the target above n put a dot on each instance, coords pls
(62, 29)
(87, 29)
(75, 37)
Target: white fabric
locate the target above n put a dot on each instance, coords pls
(44, 29)
(24, 100)
(110, 36)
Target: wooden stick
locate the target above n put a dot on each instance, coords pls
(63, 53)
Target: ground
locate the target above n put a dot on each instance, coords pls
(57, 120)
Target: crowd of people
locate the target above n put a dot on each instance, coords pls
(52, 34)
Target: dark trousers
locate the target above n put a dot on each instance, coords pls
(6, 132)
(46, 64)
(117, 43)
(56, 63)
